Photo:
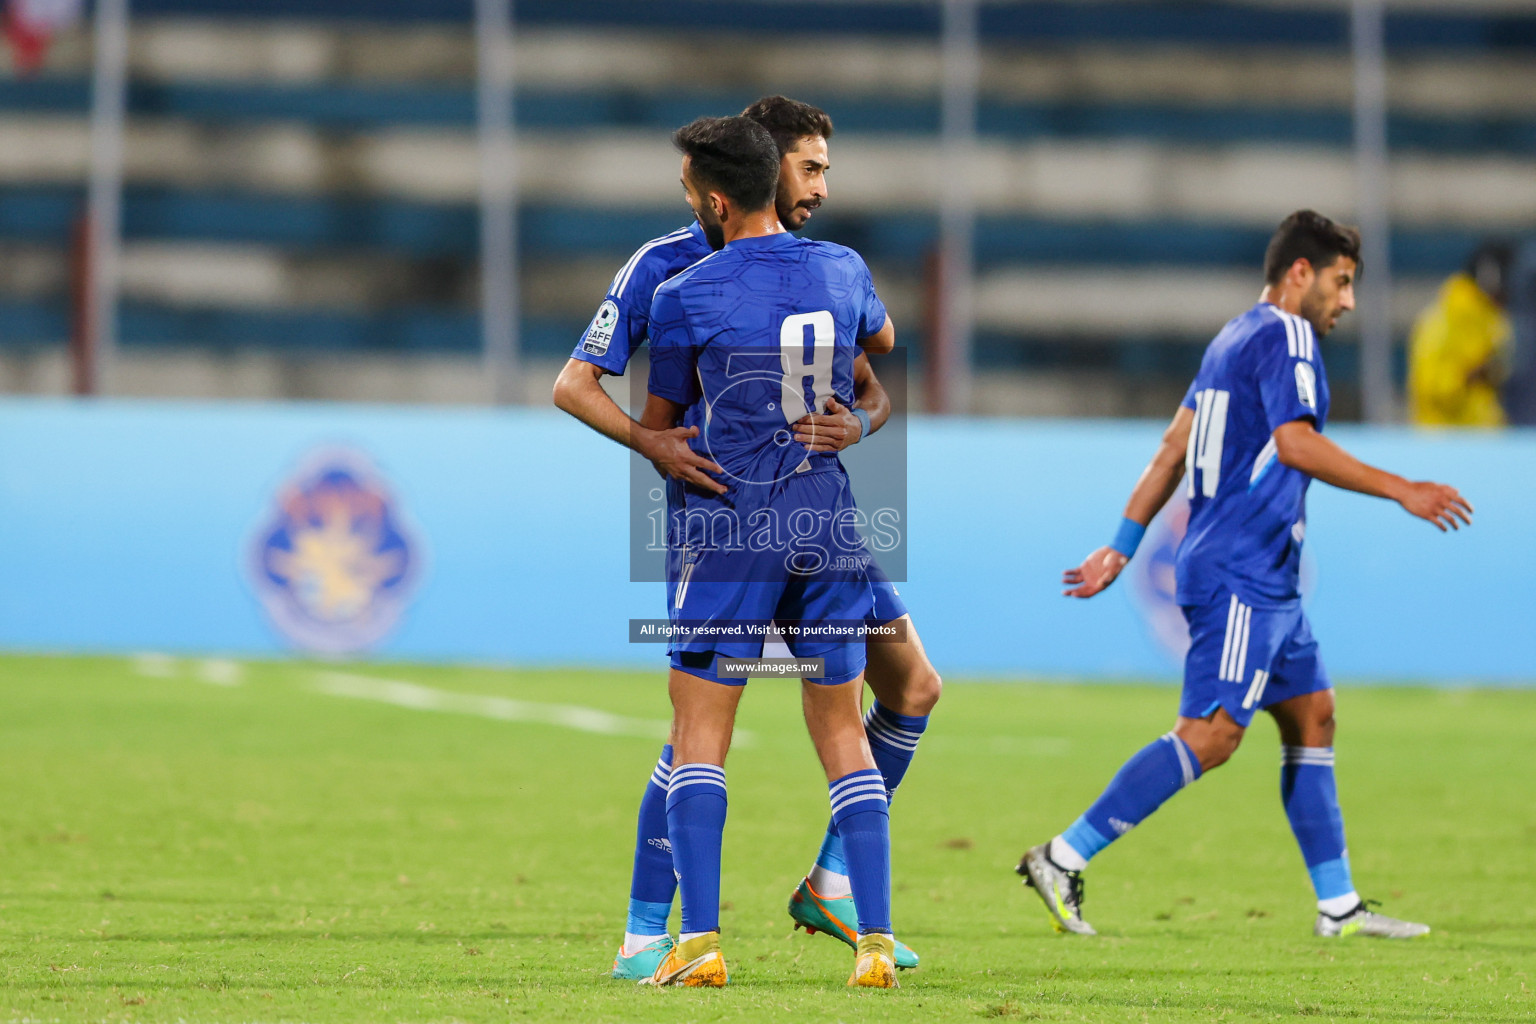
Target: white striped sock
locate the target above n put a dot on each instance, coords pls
(857, 788)
(661, 775)
(877, 722)
(1319, 756)
(696, 775)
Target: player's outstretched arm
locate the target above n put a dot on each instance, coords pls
(1301, 447)
(667, 445)
(840, 426)
(1151, 493)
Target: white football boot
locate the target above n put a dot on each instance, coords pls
(1059, 889)
(1364, 921)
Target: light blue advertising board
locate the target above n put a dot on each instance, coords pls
(502, 536)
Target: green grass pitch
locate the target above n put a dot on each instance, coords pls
(191, 841)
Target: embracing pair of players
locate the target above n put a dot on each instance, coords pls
(757, 379)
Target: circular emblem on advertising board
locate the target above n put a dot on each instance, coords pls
(335, 562)
(1152, 576)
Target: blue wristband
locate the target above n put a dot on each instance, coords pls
(863, 418)
(1128, 537)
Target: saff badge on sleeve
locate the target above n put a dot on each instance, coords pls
(600, 334)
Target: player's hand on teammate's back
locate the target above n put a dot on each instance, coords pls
(669, 452)
(1097, 572)
(831, 431)
(1441, 504)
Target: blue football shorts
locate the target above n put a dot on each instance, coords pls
(888, 603)
(675, 505)
(820, 579)
(1245, 659)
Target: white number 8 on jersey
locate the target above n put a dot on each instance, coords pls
(796, 369)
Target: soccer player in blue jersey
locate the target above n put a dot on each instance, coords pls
(1248, 438)
(905, 684)
(756, 335)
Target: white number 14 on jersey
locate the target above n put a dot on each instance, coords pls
(1203, 456)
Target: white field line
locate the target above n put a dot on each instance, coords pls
(221, 672)
(154, 665)
(215, 671)
(425, 698)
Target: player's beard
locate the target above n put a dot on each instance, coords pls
(794, 216)
(714, 233)
(1314, 310)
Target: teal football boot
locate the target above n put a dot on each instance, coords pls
(838, 918)
(644, 963)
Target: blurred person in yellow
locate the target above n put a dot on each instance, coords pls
(1460, 346)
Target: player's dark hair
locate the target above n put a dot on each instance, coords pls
(789, 121)
(1489, 267)
(732, 155)
(1308, 235)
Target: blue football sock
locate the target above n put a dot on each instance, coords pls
(1311, 798)
(893, 740)
(861, 814)
(830, 856)
(696, 826)
(652, 883)
(1156, 772)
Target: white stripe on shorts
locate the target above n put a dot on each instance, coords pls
(1226, 644)
(1234, 648)
(1256, 691)
(1241, 654)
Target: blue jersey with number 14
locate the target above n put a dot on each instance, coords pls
(1247, 514)
(758, 335)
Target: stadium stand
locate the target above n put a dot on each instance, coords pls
(303, 183)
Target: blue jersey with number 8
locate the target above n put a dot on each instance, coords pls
(1247, 515)
(758, 335)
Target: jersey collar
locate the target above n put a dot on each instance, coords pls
(763, 241)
